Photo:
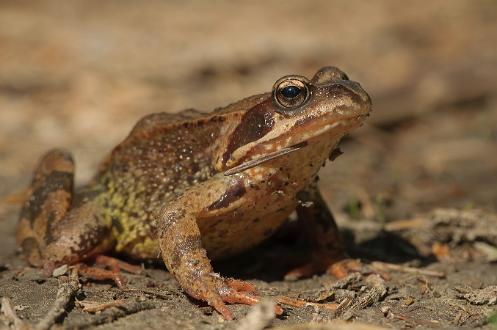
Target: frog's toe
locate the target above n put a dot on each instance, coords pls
(100, 274)
(246, 298)
(339, 268)
(240, 285)
(236, 297)
(342, 268)
(230, 291)
(304, 271)
(116, 265)
(217, 302)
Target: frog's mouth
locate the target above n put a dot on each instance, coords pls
(254, 162)
(295, 147)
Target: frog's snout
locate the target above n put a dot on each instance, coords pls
(359, 95)
(338, 83)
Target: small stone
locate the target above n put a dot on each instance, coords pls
(60, 271)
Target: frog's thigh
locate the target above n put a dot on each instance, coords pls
(51, 192)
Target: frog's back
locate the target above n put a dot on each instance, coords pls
(164, 155)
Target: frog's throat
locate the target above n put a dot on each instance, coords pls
(254, 162)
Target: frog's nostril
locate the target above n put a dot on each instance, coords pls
(343, 76)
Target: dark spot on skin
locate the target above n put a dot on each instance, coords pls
(217, 119)
(55, 181)
(117, 225)
(175, 260)
(335, 153)
(304, 196)
(182, 247)
(233, 193)
(85, 196)
(256, 123)
(91, 236)
(49, 232)
(30, 245)
(256, 220)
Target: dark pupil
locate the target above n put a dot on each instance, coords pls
(290, 92)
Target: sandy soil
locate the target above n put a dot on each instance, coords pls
(79, 74)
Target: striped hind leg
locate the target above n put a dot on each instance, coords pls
(50, 197)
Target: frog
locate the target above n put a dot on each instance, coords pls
(192, 187)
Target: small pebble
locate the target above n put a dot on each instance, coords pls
(60, 271)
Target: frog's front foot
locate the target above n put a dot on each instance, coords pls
(217, 291)
(338, 267)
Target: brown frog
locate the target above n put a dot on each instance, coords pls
(190, 187)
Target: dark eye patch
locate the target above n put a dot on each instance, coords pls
(256, 123)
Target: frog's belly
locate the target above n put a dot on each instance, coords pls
(221, 236)
(231, 234)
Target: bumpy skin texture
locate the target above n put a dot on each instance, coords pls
(190, 186)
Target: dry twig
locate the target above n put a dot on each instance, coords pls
(405, 269)
(94, 306)
(12, 317)
(68, 287)
(485, 296)
(376, 292)
(150, 292)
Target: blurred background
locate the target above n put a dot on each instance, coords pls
(79, 74)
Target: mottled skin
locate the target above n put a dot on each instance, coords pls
(193, 186)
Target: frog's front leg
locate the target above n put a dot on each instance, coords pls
(182, 251)
(328, 251)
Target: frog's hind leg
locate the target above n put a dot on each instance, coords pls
(49, 199)
(111, 271)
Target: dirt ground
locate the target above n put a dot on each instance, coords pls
(415, 188)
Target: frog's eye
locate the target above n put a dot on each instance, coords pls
(291, 92)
